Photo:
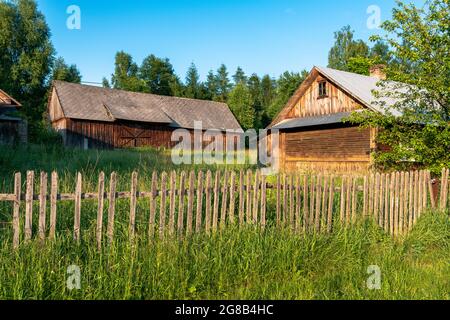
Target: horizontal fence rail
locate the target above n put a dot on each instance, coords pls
(188, 202)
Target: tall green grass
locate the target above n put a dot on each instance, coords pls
(238, 264)
(233, 264)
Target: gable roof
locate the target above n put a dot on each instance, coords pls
(357, 86)
(103, 104)
(7, 100)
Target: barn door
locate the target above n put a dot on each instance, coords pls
(131, 137)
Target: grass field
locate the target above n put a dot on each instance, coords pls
(233, 264)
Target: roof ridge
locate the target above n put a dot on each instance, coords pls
(139, 93)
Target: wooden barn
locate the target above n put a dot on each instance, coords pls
(313, 136)
(13, 129)
(95, 117)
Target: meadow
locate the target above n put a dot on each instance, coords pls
(235, 263)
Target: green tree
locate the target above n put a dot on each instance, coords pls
(193, 86)
(62, 71)
(240, 102)
(125, 75)
(223, 84)
(211, 86)
(419, 43)
(159, 76)
(105, 83)
(26, 56)
(239, 76)
(345, 48)
(287, 84)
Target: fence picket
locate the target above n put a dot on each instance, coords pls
(198, 217)
(153, 196)
(172, 200)
(248, 190)
(223, 215)
(42, 205)
(299, 203)
(256, 197)
(387, 184)
(133, 202)
(77, 216)
(163, 204)
(241, 198)
(216, 201)
(278, 213)
(291, 202)
(100, 207)
(181, 198)
(208, 201)
(342, 202)
(190, 208)
(305, 203)
(16, 209)
(53, 204)
(112, 207)
(330, 206)
(323, 218)
(232, 197)
(29, 206)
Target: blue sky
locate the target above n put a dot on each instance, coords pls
(262, 36)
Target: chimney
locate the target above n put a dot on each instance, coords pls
(378, 71)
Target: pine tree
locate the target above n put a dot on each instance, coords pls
(223, 84)
(193, 86)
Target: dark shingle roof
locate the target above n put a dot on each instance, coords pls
(102, 104)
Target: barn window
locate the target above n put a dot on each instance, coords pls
(323, 89)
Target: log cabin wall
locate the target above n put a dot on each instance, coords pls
(311, 104)
(122, 134)
(337, 148)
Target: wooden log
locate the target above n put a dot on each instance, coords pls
(278, 213)
(190, 208)
(402, 202)
(256, 197)
(291, 202)
(342, 202)
(198, 218)
(100, 207)
(298, 206)
(231, 213)
(371, 194)
(29, 206)
(241, 197)
(348, 199)
(365, 196)
(410, 201)
(112, 207)
(317, 205)
(376, 197)
(386, 203)
(444, 190)
(381, 200)
(133, 203)
(392, 203)
(430, 190)
(216, 201)
(77, 216)
(153, 197)
(16, 209)
(285, 210)
(424, 191)
(208, 197)
(163, 204)
(181, 198)
(405, 203)
(416, 197)
(419, 195)
(312, 200)
(305, 203)
(330, 206)
(263, 201)
(224, 208)
(248, 191)
(43, 205)
(323, 213)
(53, 204)
(354, 198)
(396, 202)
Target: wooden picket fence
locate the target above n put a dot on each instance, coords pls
(180, 205)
